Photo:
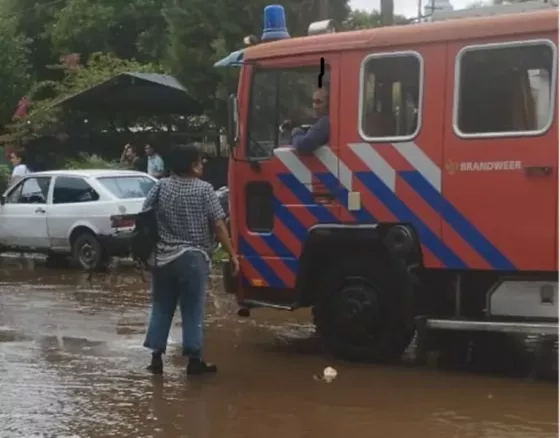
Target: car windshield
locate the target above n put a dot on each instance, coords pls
(127, 187)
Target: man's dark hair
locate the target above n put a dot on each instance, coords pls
(19, 153)
(183, 157)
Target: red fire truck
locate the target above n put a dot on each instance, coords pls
(436, 197)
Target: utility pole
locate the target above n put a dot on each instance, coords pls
(387, 12)
(323, 9)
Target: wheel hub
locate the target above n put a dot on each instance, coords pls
(356, 312)
(87, 253)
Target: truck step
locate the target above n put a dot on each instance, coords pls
(518, 327)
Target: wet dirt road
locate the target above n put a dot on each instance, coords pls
(71, 364)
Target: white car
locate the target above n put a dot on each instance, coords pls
(72, 212)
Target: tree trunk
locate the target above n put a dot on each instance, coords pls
(387, 12)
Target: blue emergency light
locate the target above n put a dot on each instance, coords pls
(274, 24)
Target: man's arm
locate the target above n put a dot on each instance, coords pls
(151, 197)
(217, 215)
(316, 136)
(159, 167)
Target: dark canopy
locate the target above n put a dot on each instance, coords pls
(135, 93)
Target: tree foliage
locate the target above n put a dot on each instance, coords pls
(110, 36)
(46, 115)
(15, 77)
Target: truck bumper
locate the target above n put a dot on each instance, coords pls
(116, 245)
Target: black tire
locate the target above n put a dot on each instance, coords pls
(87, 252)
(366, 309)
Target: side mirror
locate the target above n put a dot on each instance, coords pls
(233, 121)
(2, 199)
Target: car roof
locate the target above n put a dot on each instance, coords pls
(91, 173)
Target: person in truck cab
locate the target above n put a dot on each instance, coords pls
(306, 141)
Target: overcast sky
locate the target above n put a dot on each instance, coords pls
(408, 8)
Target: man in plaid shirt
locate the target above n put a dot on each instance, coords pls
(188, 215)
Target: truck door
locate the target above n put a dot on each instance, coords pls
(278, 194)
(500, 180)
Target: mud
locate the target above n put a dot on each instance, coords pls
(71, 364)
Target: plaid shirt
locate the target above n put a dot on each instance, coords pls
(186, 208)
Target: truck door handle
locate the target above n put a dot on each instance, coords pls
(322, 197)
(538, 171)
(40, 210)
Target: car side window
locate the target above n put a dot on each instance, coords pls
(30, 191)
(73, 190)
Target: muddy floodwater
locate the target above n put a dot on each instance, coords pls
(72, 365)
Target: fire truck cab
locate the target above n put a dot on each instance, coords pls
(435, 199)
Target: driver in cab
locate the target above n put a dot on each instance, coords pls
(306, 141)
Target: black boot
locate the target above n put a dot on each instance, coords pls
(156, 366)
(198, 366)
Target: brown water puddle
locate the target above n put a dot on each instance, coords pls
(71, 364)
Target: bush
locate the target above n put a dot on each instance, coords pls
(86, 161)
(4, 177)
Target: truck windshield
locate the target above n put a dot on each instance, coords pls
(278, 96)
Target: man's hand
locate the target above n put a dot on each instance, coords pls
(286, 126)
(234, 260)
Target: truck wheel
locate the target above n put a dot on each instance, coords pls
(87, 252)
(366, 311)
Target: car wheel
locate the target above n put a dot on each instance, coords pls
(366, 309)
(87, 252)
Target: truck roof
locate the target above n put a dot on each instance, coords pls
(411, 34)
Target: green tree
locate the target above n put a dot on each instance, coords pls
(132, 29)
(33, 20)
(47, 117)
(15, 77)
(202, 32)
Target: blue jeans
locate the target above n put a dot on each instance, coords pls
(183, 280)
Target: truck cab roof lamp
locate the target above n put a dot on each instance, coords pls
(320, 27)
(274, 24)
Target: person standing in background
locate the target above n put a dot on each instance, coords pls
(156, 166)
(20, 169)
(130, 159)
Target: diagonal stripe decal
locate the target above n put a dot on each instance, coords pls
(376, 163)
(457, 221)
(335, 166)
(404, 214)
(259, 264)
(421, 162)
(380, 182)
(288, 157)
(302, 192)
(331, 182)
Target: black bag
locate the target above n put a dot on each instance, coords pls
(145, 235)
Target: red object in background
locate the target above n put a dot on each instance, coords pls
(71, 61)
(21, 109)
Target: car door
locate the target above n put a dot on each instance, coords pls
(23, 216)
(279, 193)
(71, 207)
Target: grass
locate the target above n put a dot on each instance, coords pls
(219, 255)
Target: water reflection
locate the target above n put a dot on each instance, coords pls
(71, 363)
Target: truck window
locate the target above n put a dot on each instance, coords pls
(278, 95)
(504, 89)
(391, 87)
